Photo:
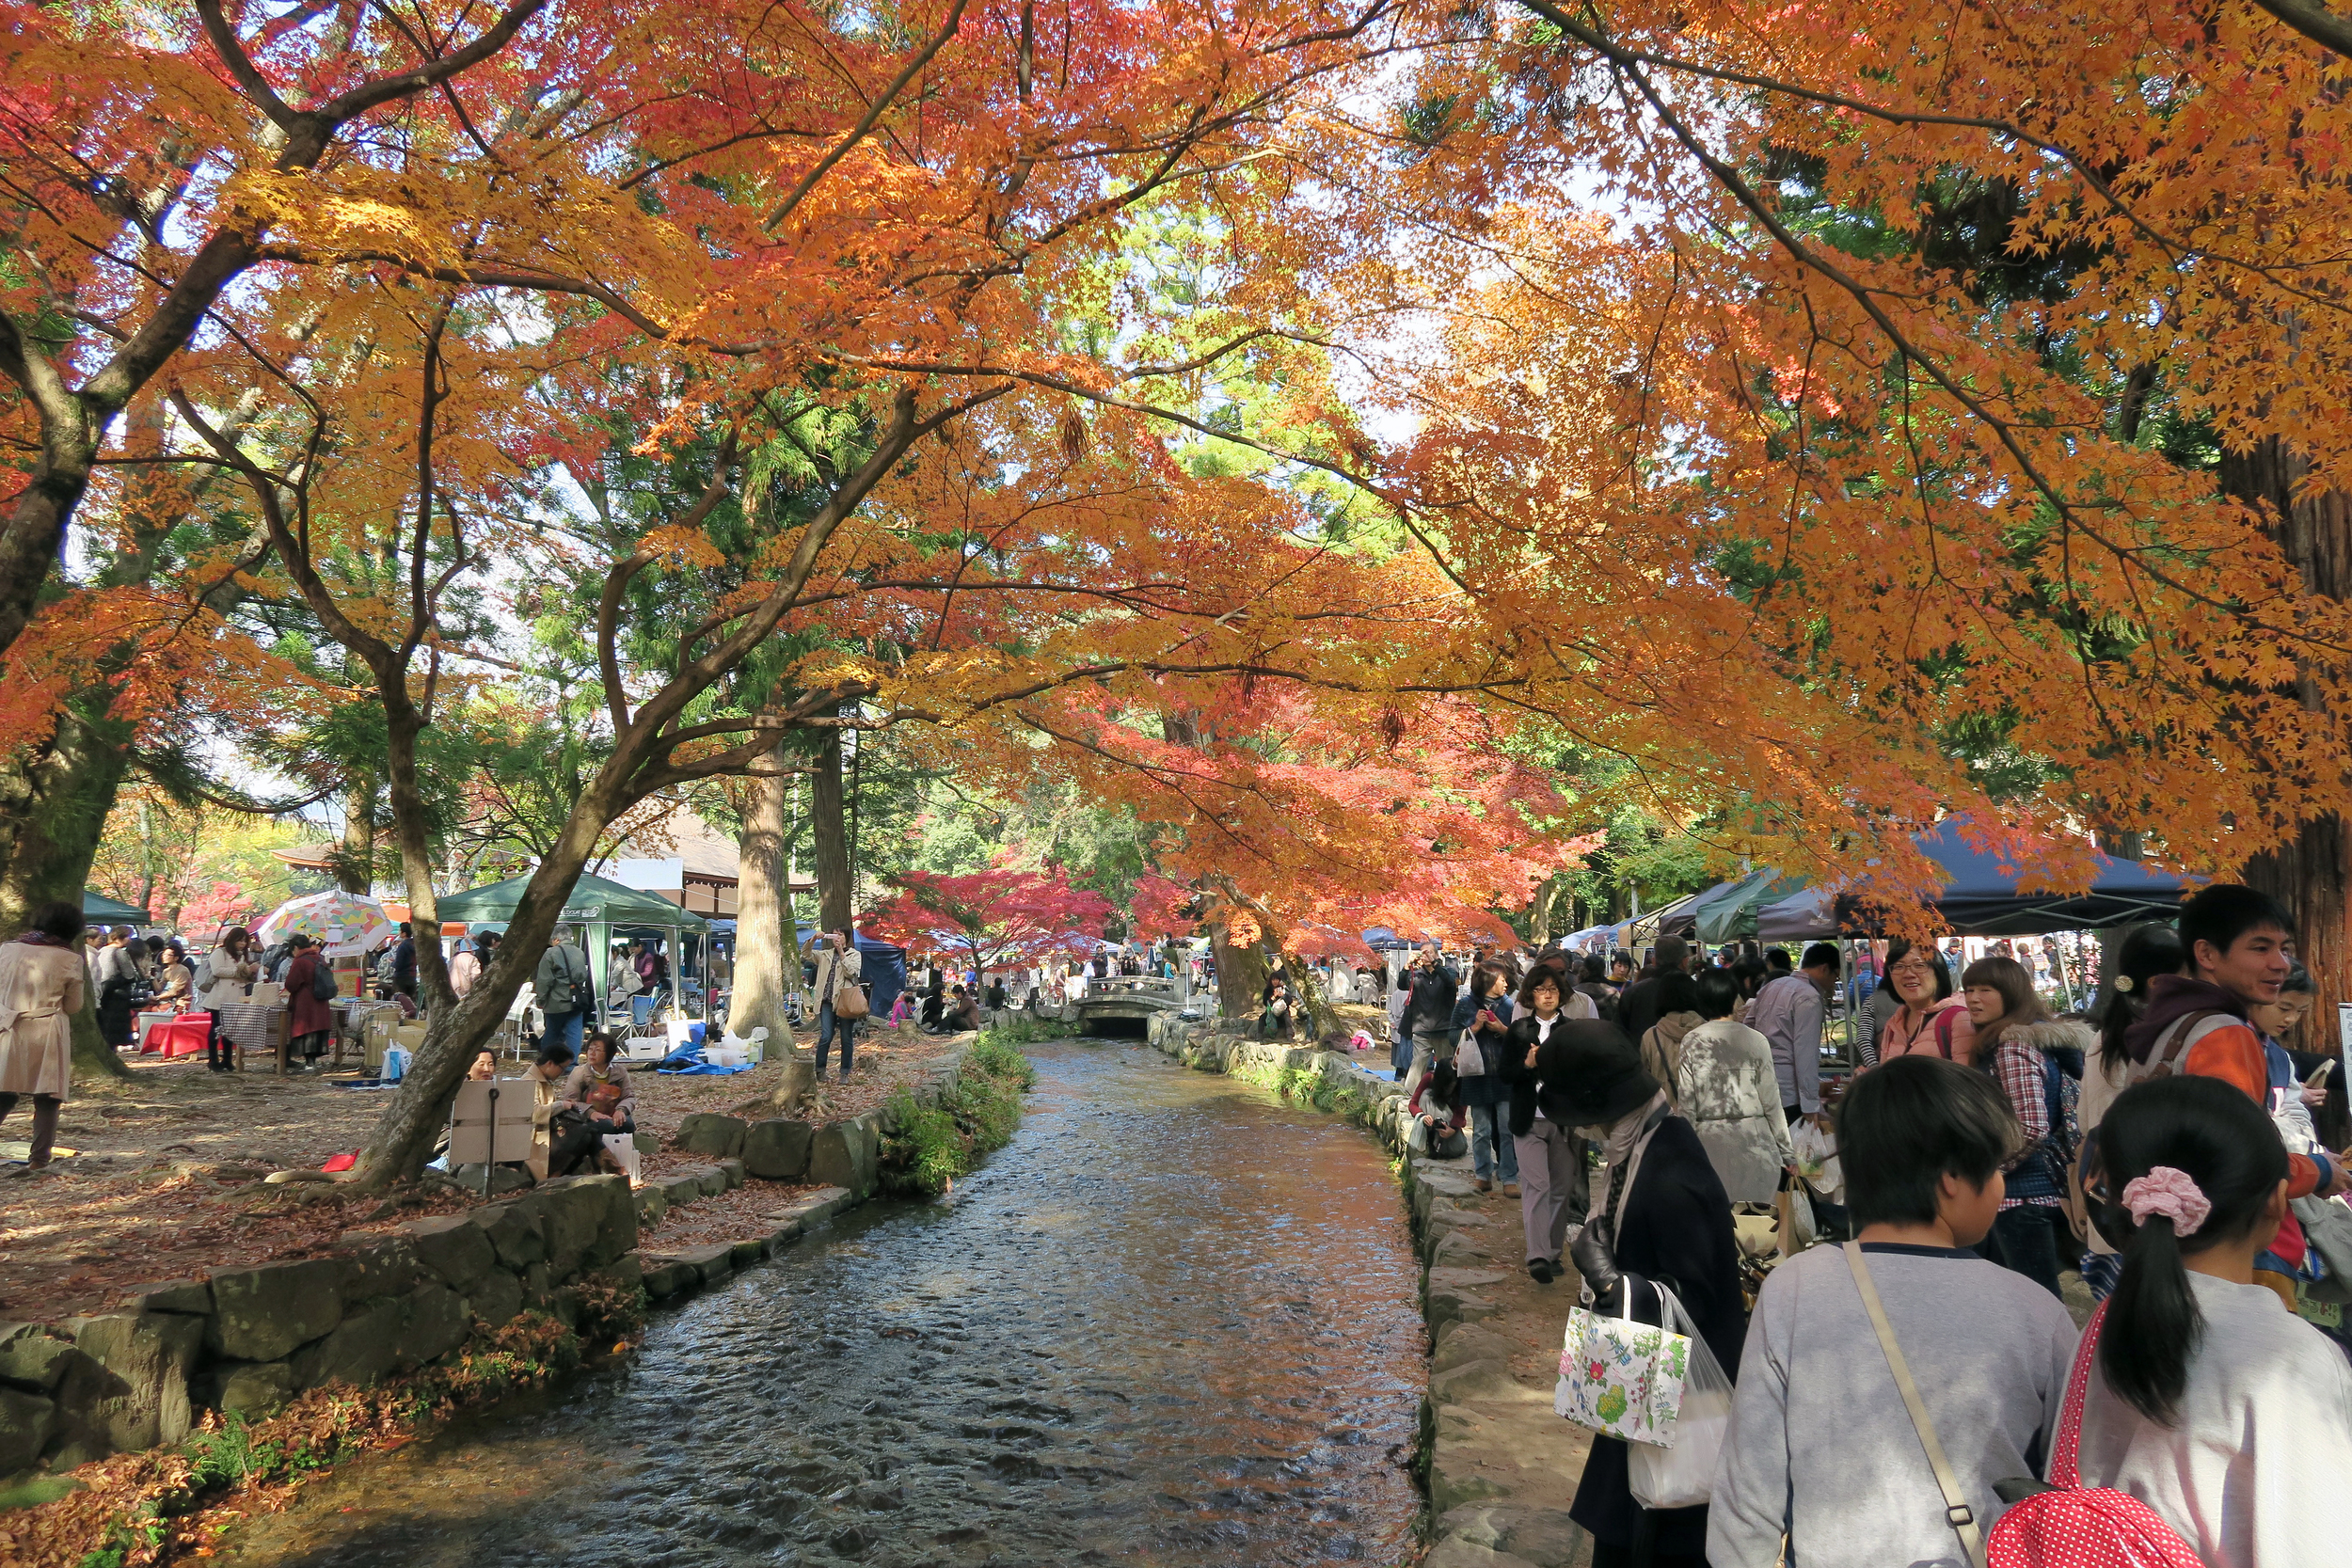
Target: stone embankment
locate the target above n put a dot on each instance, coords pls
(1500, 1468)
(384, 1303)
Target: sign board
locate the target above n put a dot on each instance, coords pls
(490, 1121)
(2344, 1029)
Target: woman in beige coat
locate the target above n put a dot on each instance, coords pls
(42, 980)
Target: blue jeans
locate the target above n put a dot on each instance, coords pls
(826, 1028)
(566, 1028)
(1491, 1125)
(2024, 1243)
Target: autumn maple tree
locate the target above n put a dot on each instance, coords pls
(843, 281)
(1002, 918)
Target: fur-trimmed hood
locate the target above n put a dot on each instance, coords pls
(2067, 1039)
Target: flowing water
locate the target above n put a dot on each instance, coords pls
(1171, 1323)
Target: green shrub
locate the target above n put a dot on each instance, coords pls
(931, 1144)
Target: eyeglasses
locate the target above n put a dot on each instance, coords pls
(1912, 966)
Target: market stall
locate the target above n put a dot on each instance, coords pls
(345, 925)
(610, 915)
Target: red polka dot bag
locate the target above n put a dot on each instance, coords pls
(2068, 1525)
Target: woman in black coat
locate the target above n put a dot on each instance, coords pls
(1667, 1223)
(1485, 1095)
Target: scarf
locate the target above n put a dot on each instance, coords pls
(1622, 1144)
(39, 939)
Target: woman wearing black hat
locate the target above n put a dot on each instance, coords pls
(1661, 1218)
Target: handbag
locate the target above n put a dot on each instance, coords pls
(2068, 1525)
(1620, 1377)
(1470, 1057)
(1956, 1510)
(851, 1003)
(2328, 1228)
(1683, 1476)
(1793, 1216)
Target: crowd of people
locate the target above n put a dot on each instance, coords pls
(2177, 1155)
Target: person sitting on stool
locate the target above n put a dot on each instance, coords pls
(598, 1102)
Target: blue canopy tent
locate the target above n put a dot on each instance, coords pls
(1381, 940)
(1981, 897)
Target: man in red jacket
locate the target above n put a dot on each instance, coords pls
(2238, 945)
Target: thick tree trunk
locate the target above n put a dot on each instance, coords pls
(761, 918)
(1241, 975)
(2312, 875)
(829, 830)
(354, 857)
(53, 810)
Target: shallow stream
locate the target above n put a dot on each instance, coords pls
(1171, 1323)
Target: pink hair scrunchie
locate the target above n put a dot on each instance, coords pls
(2171, 1192)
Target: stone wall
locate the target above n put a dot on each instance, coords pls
(249, 1338)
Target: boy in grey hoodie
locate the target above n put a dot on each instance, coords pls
(1821, 1447)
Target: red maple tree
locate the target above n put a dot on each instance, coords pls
(1000, 918)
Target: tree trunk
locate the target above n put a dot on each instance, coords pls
(761, 918)
(1241, 975)
(1323, 1024)
(2312, 876)
(830, 832)
(354, 857)
(1547, 900)
(53, 805)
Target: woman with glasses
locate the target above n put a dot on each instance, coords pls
(1931, 1021)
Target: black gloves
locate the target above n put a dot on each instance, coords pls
(1590, 1253)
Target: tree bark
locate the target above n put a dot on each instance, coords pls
(354, 857)
(2312, 876)
(1241, 975)
(760, 917)
(53, 805)
(829, 830)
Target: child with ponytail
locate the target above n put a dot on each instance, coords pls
(2225, 1413)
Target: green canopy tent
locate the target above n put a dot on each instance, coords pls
(606, 910)
(1728, 911)
(113, 911)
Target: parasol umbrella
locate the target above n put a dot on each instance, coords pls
(338, 921)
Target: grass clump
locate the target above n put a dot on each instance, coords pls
(929, 1142)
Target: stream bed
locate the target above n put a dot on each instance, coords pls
(1172, 1323)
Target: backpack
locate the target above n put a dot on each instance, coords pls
(2171, 1047)
(322, 983)
(2068, 1525)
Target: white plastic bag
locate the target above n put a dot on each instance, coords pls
(1816, 1162)
(1683, 1476)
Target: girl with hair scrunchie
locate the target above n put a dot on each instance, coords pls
(2208, 1400)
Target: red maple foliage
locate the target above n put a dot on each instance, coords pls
(995, 919)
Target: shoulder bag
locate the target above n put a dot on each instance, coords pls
(850, 1001)
(2068, 1525)
(1957, 1513)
